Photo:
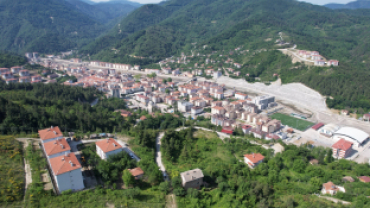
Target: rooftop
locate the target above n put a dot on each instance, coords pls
(191, 175)
(50, 133)
(254, 157)
(342, 144)
(136, 171)
(108, 145)
(57, 146)
(64, 164)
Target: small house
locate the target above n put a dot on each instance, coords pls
(50, 134)
(364, 179)
(331, 188)
(138, 173)
(192, 179)
(253, 159)
(107, 147)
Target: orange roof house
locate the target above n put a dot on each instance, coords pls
(253, 159)
(107, 147)
(137, 173)
(50, 134)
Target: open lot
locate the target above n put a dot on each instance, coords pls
(295, 123)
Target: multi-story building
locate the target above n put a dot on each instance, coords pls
(342, 149)
(263, 101)
(66, 171)
(184, 106)
(56, 148)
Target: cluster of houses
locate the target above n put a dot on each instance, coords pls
(317, 58)
(65, 168)
(17, 74)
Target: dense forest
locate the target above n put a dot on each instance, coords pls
(44, 26)
(8, 60)
(27, 108)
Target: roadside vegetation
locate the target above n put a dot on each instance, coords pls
(11, 170)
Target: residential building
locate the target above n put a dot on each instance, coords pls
(271, 126)
(319, 63)
(333, 63)
(24, 80)
(138, 173)
(196, 110)
(263, 101)
(227, 130)
(107, 147)
(217, 74)
(342, 149)
(241, 96)
(7, 75)
(16, 69)
(50, 134)
(192, 179)
(331, 188)
(253, 159)
(12, 80)
(184, 106)
(66, 171)
(246, 129)
(24, 73)
(218, 110)
(56, 148)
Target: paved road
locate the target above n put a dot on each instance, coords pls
(158, 156)
(334, 199)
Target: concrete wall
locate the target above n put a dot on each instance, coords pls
(71, 180)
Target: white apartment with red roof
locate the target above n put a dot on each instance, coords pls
(253, 159)
(241, 96)
(107, 147)
(66, 172)
(50, 134)
(56, 148)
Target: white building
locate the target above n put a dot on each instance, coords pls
(329, 129)
(240, 96)
(50, 134)
(184, 106)
(263, 101)
(107, 147)
(67, 173)
(217, 74)
(356, 136)
(56, 148)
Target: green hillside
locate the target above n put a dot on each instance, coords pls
(102, 12)
(44, 26)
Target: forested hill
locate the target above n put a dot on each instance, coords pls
(359, 4)
(102, 12)
(44, 26)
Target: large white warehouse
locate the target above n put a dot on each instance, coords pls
(356, 136)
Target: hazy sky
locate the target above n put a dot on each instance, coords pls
(319, 2)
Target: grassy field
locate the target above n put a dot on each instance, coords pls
(11, 170)
(290, 121)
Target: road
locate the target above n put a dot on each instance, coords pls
(27, 167)
(158, 156)
(335, 200)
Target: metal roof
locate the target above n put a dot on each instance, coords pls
(353, 133)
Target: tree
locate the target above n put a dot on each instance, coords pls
(169, 79)
(329, 156)
(164, 187)
(127, 178)
(168, 91)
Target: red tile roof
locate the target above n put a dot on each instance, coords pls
(50, 133)
(108, 145)
(342, 144)
(57, 146)
(64, 164)
(317, 126)
(330, 186)
(254, 157)
(227, 130)
(364, 179)
(136, 171)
